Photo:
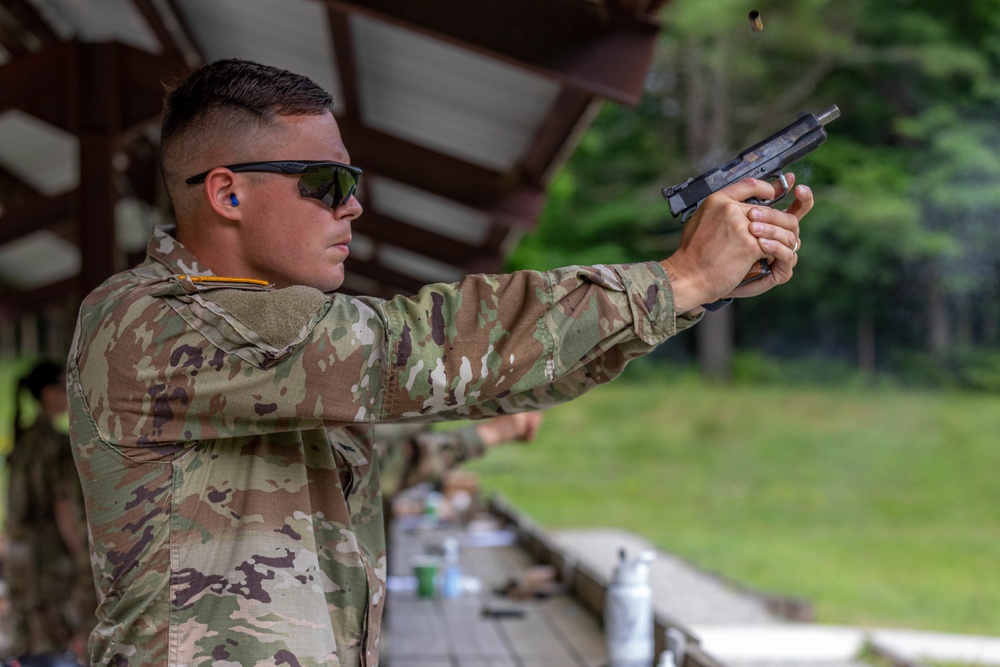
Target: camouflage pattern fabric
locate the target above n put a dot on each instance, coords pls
(52, 597)
(433, 453)
(223, 432)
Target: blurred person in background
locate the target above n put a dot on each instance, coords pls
(47, 570)
(409, 454)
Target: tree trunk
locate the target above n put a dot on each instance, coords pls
(714, 338)
(706, 103)
(866, 339)
(963, 320)
(938, 329)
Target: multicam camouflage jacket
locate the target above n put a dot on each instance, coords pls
(223, 429)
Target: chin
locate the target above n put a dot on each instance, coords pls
(330, 283)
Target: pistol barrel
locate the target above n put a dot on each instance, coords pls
(832, 112)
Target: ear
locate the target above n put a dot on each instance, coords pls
(224, 192)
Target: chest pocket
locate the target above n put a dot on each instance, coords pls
(352, 448)
(259, 326)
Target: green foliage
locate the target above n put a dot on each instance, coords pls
(10, 371)
(755, 369)
(968, 368)
(907, 202)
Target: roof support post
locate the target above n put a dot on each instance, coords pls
(97, 96)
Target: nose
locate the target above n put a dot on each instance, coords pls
(349, 210)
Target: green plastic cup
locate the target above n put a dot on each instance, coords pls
(426, 570)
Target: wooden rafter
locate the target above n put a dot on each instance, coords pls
(385, 275)
(16, 302)
(591, 46)
(32, 216)
(38, 77)
(343, 46)
(32, 22)
(11, 42)
(386, 229)
(144, 76)
(569, 114)
(155, 22)
(177, 23)
(15, 189)
(427, 169)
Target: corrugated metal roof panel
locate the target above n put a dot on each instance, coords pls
(291, 35)
(431, 212)
(134, 220)
(103, 21)
(445, 97)
(38, 259)
(417, 265)
(39, 154)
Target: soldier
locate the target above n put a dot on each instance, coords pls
(409, 454)
(48, 565)
(223, 395)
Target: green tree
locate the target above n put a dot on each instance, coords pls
(904, 230)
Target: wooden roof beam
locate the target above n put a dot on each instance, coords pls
(343, 46)
(374, 270)
(32, 79)
(40, 83)
(171, 30)
(570, 115)
(31, 21)
(595, 47)
(11, 42)
(386, 229)
(144, 75)
(14, 303)
(42, 213)
(506, 197)
(156, 24)
(14, 189)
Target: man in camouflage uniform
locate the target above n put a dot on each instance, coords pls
(47, 568)
(223, 396)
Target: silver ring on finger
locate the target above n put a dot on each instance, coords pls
(796, 248)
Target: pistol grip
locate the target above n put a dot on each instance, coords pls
(760, 269)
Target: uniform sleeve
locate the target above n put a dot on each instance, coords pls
(170, 365)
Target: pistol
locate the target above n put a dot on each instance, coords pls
(765, 161)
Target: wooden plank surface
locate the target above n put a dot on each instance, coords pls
(553, 632)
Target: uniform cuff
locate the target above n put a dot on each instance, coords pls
(651, 299)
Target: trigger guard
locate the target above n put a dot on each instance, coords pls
(753, 201)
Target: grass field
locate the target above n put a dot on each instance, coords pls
(882, 508)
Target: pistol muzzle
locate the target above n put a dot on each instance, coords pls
(832, 112)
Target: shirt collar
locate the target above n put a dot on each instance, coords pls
(167, 250)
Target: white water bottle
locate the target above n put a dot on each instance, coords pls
(628, 613)
(451, 583)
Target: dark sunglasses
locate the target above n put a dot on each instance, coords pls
(332, 183)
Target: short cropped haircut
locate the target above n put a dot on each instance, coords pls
(42, 375)
(232, 97)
